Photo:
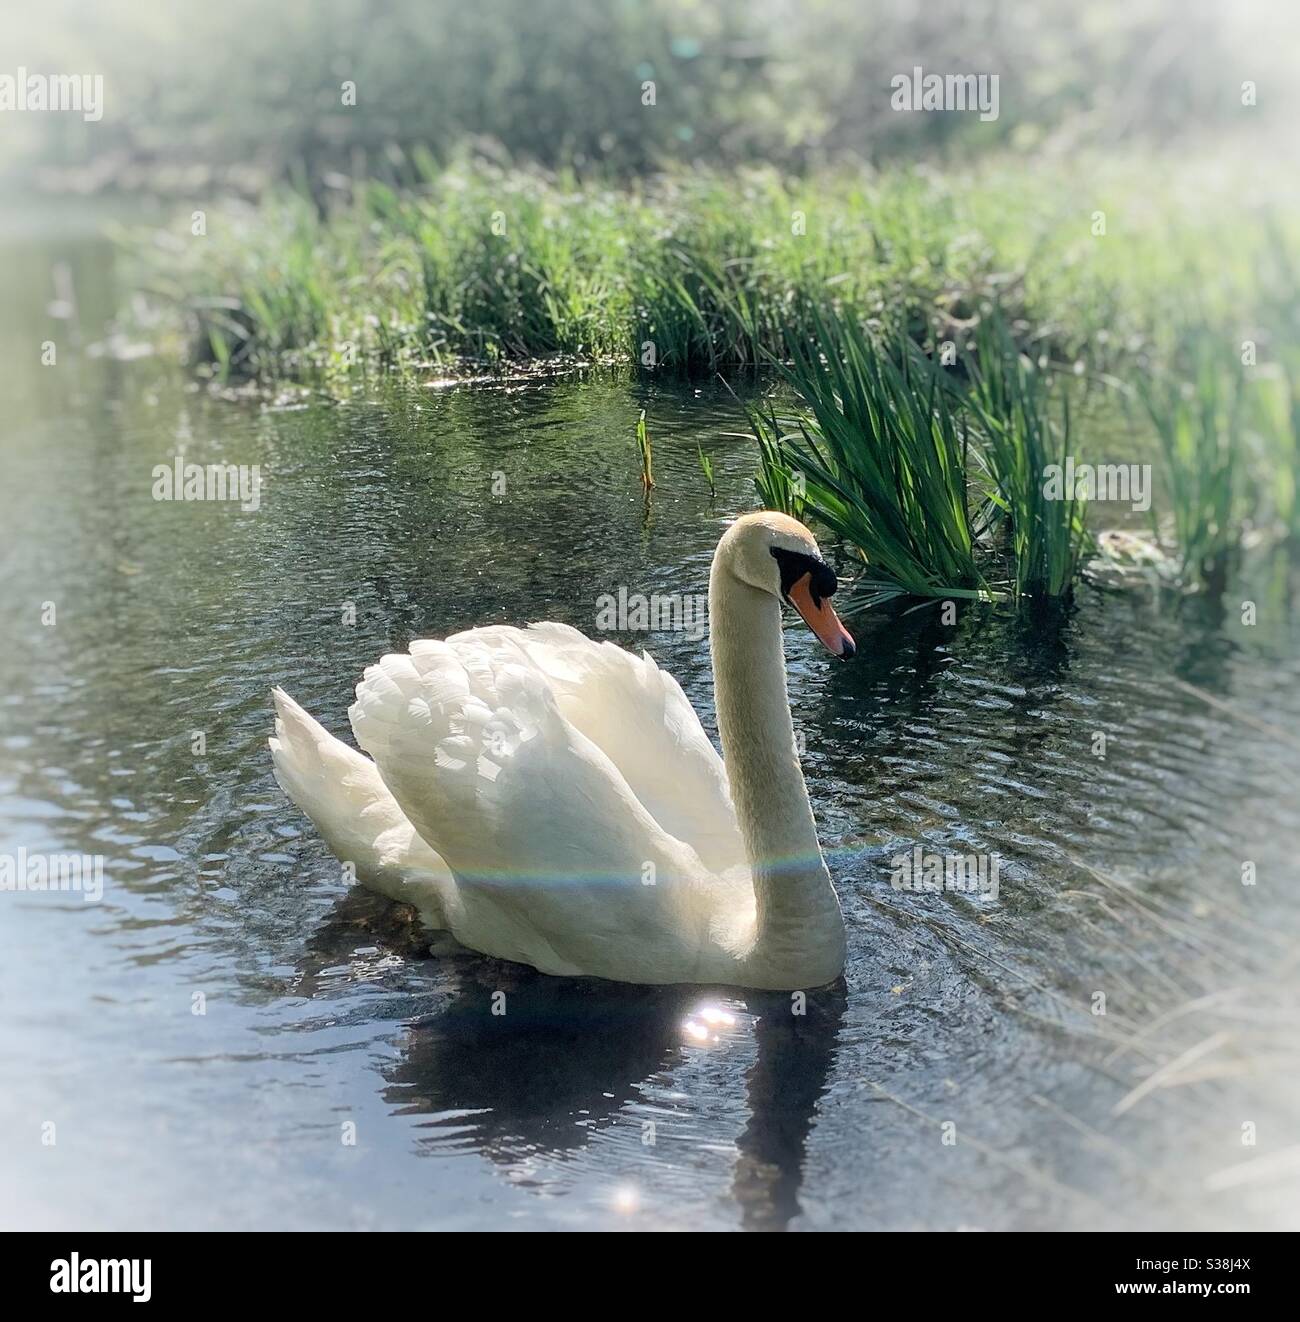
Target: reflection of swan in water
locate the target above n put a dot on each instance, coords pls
(559, 1065)
(570, 1055)
(783, 1087)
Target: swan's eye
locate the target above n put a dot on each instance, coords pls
(795, 564)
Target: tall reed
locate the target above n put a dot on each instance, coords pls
(1275, 423)
(1196, 406)
(1022, 436)
(646, 453)
(879, 456)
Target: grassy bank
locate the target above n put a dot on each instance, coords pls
(701, 272)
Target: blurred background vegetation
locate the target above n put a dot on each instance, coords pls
(240, 94)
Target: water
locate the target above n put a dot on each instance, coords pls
(959, 1078)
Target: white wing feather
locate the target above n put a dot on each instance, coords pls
(639, 717)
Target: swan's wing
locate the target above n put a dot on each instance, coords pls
(546, 838)
(639, 717)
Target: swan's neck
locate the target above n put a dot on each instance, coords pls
(798, 914)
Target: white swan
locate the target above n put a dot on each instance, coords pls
(555, 801)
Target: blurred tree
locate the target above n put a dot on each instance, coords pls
(196, 89)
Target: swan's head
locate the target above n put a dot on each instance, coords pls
(777, 554)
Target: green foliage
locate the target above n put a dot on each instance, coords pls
(780, 485)
(692, 274)
(480, 263)
(892, 457)
(646, 453)
(1275, 424)
(1196, 407)
(1020, 437)
(210, 92)
(880, 459)
(706, 467)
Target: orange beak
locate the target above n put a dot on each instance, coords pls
(820, 617)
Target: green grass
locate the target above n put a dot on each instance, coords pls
(1197, 408)
(645, 451)
(925, 477)
(706, 467)
(1024, 427)
(691, 273)
(880, 457)
(779, 481)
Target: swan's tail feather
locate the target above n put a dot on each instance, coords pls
(310, 771)
(343, 793)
